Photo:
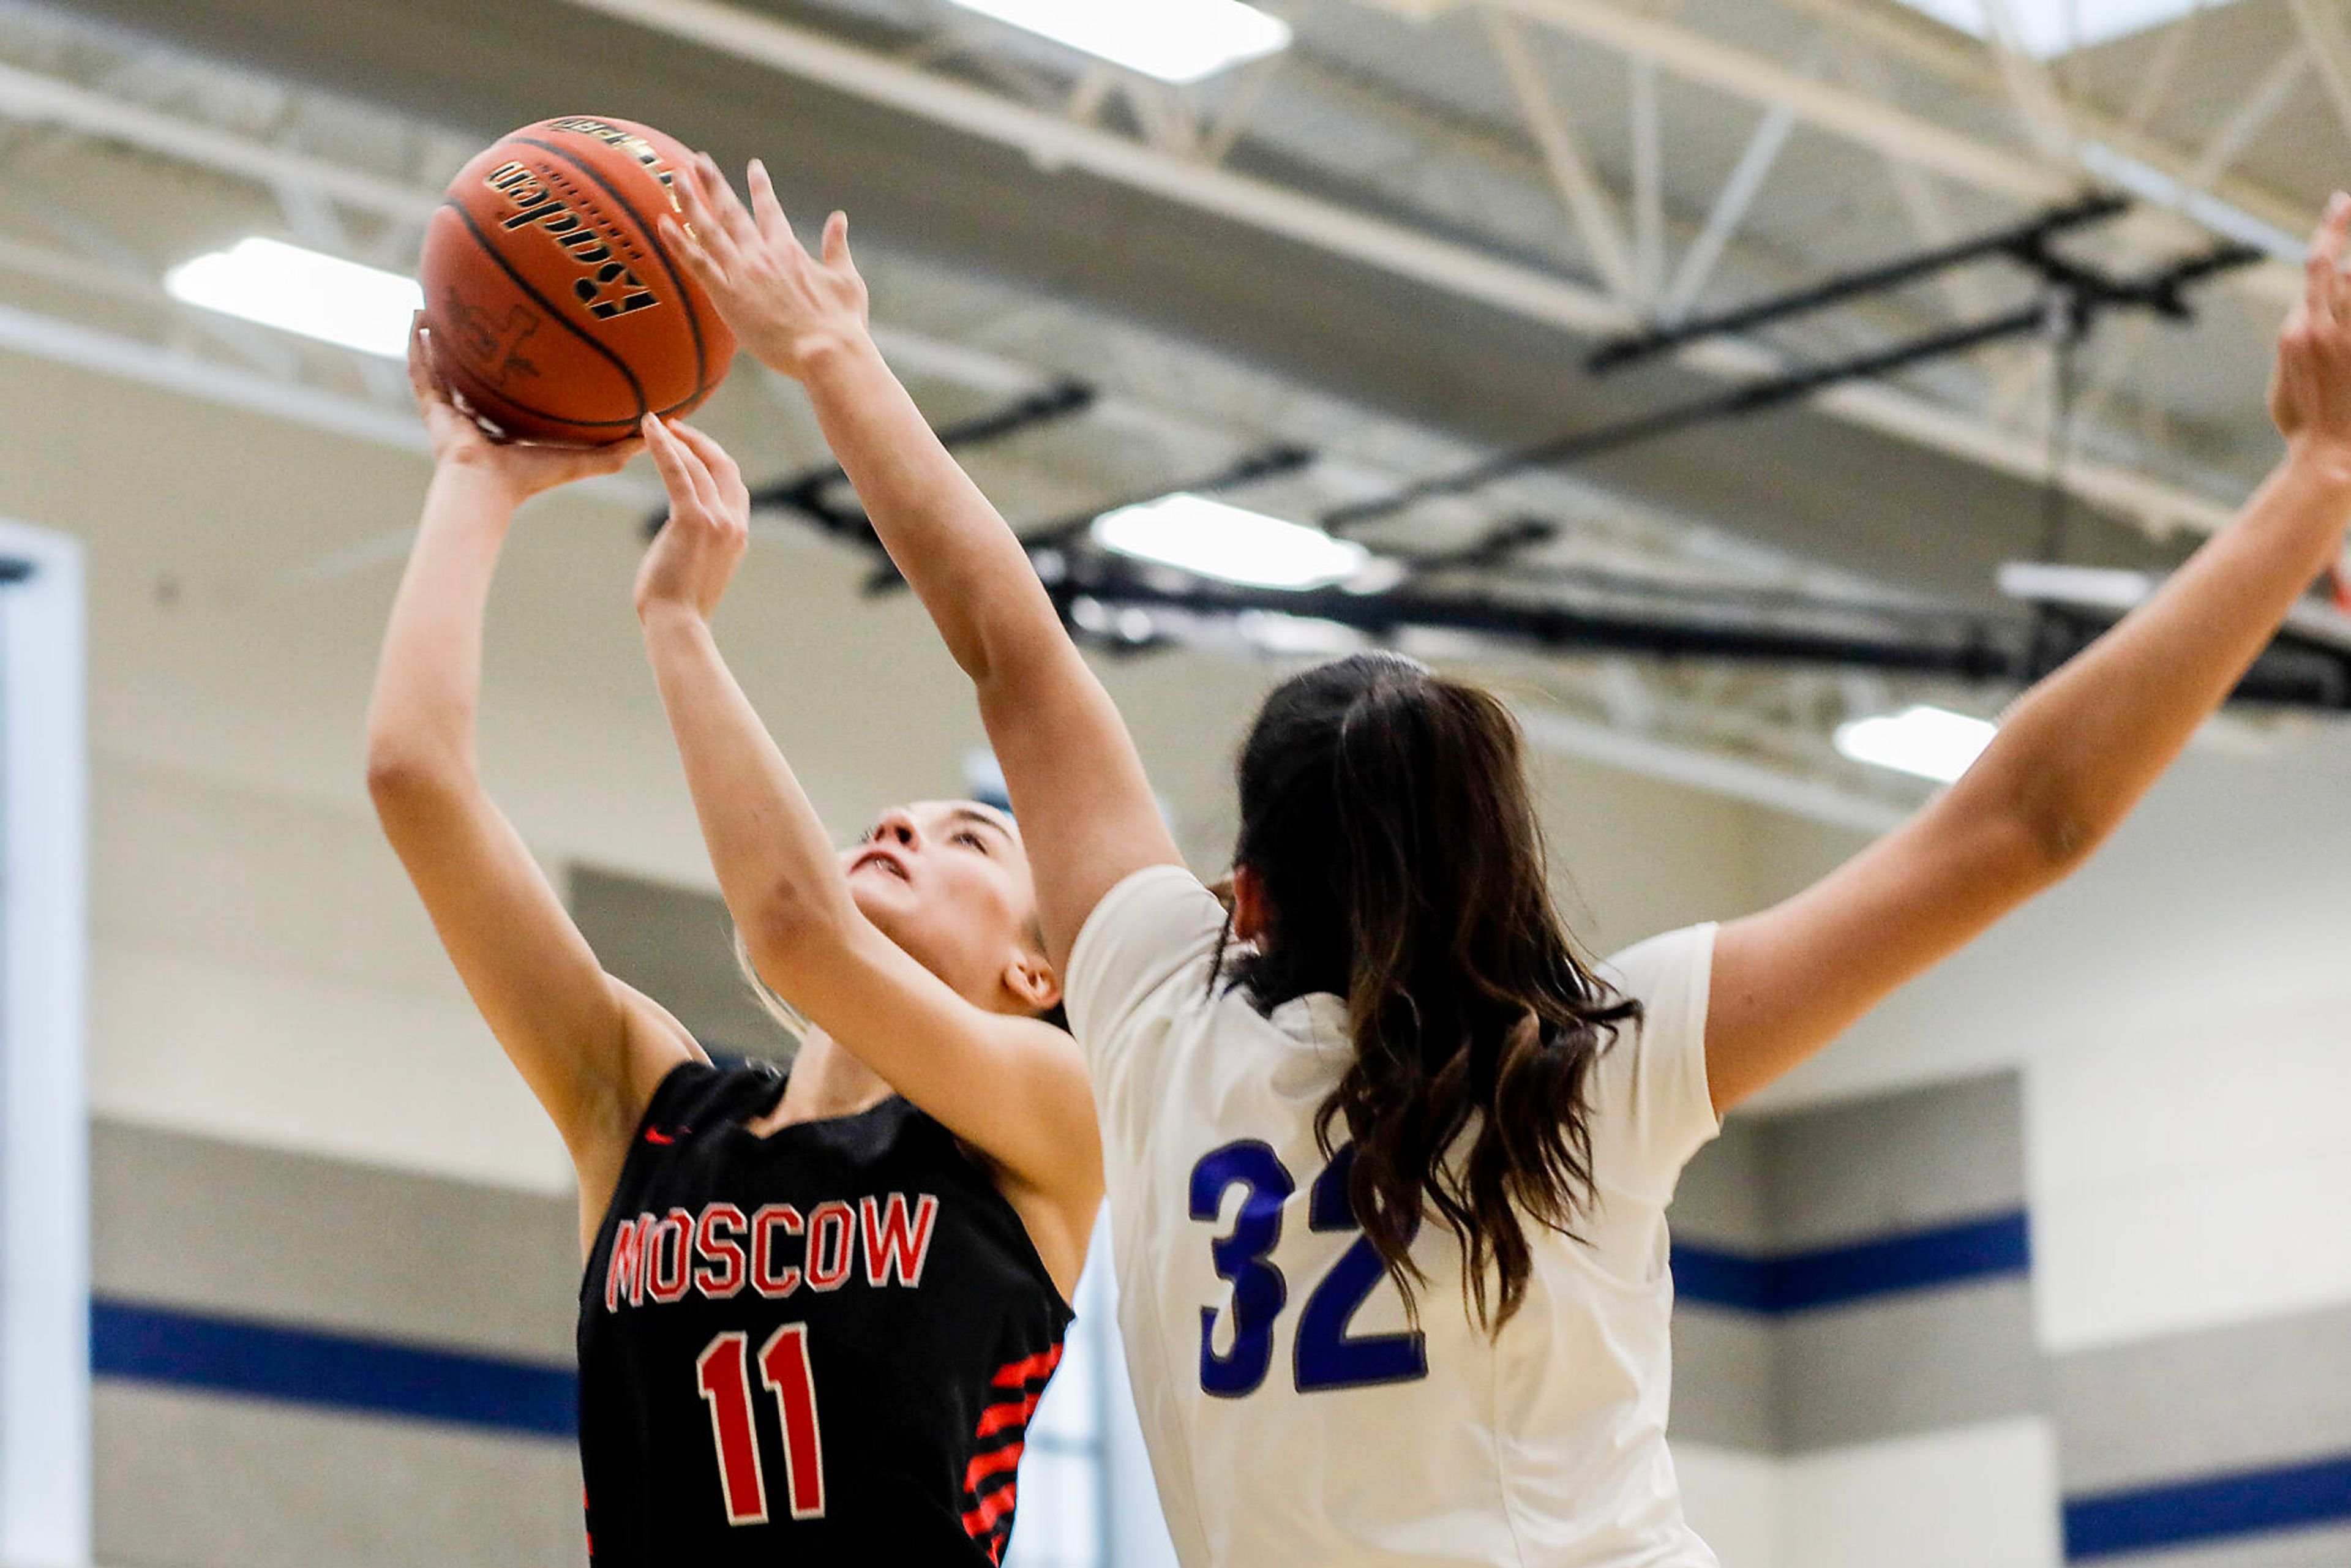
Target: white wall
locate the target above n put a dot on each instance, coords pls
(2182, 1012)
(1957, 1499)
(1962, 1498)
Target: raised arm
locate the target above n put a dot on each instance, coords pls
(2075, 754)
(592, 1050)
(1012, 1087)
(1078, 787)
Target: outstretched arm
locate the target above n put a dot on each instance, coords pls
(2075, 753)
(1078, 787)
(1012, 1087)
(592, 1050)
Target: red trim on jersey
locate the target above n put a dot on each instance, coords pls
(1011, 1414)
(988, 1520)
(1018, 1373)
(982, 1518)
(995, 1462)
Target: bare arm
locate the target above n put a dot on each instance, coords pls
(1077, 784)
(592, 1050)
(1010, 1086)
(2075, 755)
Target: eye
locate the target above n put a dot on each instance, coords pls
(966, 836)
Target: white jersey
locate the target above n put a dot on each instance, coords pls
(1292, 1417)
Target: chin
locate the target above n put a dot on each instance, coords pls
(882, 899)
(889, 905)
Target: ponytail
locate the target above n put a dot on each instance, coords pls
(1386, 814)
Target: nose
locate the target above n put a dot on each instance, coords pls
(897, 825)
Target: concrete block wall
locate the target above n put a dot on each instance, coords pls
(272, 1020)
(304, 1360)
(1865, 1373)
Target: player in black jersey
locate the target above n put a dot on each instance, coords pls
(816, 1315)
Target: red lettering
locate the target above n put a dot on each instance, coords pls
(668, 1243)
(767, 1277)
(832, 1237)
(625, 1275)
(894, 1243)
(719, 1273)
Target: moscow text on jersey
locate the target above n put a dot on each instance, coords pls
(775, 1250)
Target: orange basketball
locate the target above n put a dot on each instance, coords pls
(556, 314)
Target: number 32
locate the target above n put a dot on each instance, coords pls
(1324, 1354)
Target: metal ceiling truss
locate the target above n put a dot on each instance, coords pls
(1053, 139)
(1178, 152)
(2075, 296)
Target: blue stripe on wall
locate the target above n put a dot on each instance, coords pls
(305, 1367)
(1992, 1248)
(2251, 1502)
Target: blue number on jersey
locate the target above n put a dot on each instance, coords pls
(1258, 1290)
(1324, 1356)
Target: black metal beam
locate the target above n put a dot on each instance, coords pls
(2026, 241)
(807, 492)
(2078, 304)
(2003, 649)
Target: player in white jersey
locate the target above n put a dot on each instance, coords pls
(1382, 1077)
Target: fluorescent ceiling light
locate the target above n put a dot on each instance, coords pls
(2049, 28)
(297, 290)
(1175, 40)
(1931, 742)
(1209, 539)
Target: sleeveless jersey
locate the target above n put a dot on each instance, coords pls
(1295, 1414)
(818, 1346)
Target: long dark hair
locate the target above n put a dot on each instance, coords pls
(1387, 816)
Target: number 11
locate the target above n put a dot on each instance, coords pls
(722, 1374)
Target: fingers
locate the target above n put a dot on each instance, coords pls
(726, 205)
(2325, 264)
(423, 378)
(682, 474)
(836, 241)
(721, 466)
(767, 211)
(686, 244)
(705, 231)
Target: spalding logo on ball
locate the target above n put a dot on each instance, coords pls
(556, 314)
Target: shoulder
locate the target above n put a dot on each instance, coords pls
(1650, 1102)
(1667, 972)
(1158, 926)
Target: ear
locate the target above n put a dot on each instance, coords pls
(1032, 982)
(1250, 916)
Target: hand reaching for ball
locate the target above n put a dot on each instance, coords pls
(789, 307)
(522, 471)
(694, 557)
(2310, 393)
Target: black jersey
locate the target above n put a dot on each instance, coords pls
(818, 1346)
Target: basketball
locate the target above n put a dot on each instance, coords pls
(556, 314)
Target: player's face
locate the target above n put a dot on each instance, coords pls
(949, 880)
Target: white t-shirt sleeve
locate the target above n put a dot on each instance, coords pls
(1154, 933)
(1652, 1106)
